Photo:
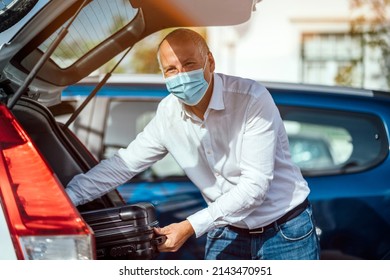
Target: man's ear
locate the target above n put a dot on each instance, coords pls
(211, 61)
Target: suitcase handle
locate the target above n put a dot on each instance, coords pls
(160, 239)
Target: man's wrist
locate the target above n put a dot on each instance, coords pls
(188, 227)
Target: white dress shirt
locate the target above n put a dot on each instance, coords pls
(238, 156)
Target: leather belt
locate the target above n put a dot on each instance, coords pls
(286, 217)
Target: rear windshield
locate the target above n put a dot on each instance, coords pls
(95, 23)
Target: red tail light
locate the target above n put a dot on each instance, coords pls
(37, 208)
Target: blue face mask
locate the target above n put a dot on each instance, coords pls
(190, 87)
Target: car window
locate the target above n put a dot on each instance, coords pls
(328, 141)
(322, 142)
(317, 146)
(126, 119)
(95, 23)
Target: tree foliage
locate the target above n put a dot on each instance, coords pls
(371, 19)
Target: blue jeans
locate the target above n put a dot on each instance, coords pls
(294, 240)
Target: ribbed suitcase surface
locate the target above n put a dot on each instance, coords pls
(125, 232)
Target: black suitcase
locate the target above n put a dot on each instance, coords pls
(125, 232)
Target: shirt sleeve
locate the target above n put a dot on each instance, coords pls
(148, 147)
(141, 153)
(99, 180)
(257, 160)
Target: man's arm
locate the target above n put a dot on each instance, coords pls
(140, 154)
(101, 179)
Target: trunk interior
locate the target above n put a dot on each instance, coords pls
(66, 155)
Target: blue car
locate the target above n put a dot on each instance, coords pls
(339, 137)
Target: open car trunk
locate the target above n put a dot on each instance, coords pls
(59, 146)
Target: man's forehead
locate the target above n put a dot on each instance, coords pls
(184, 50)
(178, 45)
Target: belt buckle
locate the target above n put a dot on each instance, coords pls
(257, 231)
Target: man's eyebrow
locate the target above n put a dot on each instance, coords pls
(186, 60)
(190, 58)
(168, 66)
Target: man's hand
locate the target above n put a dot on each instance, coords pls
(176, 234)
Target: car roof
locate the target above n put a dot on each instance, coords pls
(152, 87)
(156, 79)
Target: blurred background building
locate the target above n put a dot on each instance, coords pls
(333, 42)
(344, 42)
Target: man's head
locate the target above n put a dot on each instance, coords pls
(181, 41)
(180, 54)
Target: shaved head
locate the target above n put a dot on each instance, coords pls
(183, 35)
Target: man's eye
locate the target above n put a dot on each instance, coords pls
(170, 72)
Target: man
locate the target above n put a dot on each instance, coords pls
(227, 135)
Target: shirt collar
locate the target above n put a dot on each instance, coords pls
(216, 101)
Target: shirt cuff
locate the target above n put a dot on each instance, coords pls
(72, 196)
(201, 222)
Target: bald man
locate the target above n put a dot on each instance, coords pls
(227, 135)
